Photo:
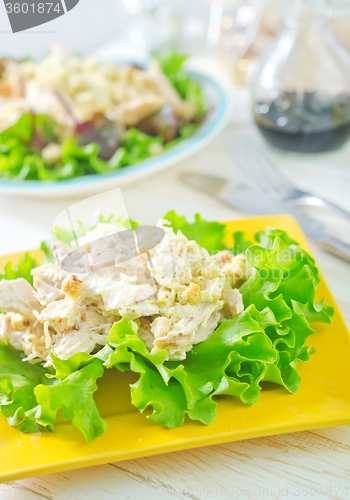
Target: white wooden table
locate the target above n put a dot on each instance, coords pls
(314, 464)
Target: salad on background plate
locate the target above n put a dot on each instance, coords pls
(67, 116)
(195, 321)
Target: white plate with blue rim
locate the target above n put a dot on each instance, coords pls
(219, 110)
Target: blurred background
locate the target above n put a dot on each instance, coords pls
(285, 64)
(238, 31)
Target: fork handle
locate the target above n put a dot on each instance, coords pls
(315, 201)
(334, 246)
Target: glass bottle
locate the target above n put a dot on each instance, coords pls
(301, 90)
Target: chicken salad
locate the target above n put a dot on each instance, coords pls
(68, 116)
(195, 321)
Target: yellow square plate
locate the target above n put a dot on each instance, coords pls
(323, 400)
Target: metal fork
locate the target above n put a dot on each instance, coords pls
(255, 164)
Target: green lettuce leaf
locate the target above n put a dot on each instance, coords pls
(238, 353)
(31, 396)
(319, 312)
(240, 243)
(21, 270)
(210, 235)
(285, 280)
(18, 380)
(73, 394)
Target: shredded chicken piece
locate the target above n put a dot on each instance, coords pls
(131, 112)
(19, 297)
(23, 334)
(233, 302)
(47, 281)
(78, 341)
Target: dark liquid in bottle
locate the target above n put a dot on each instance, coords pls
(307, 125)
